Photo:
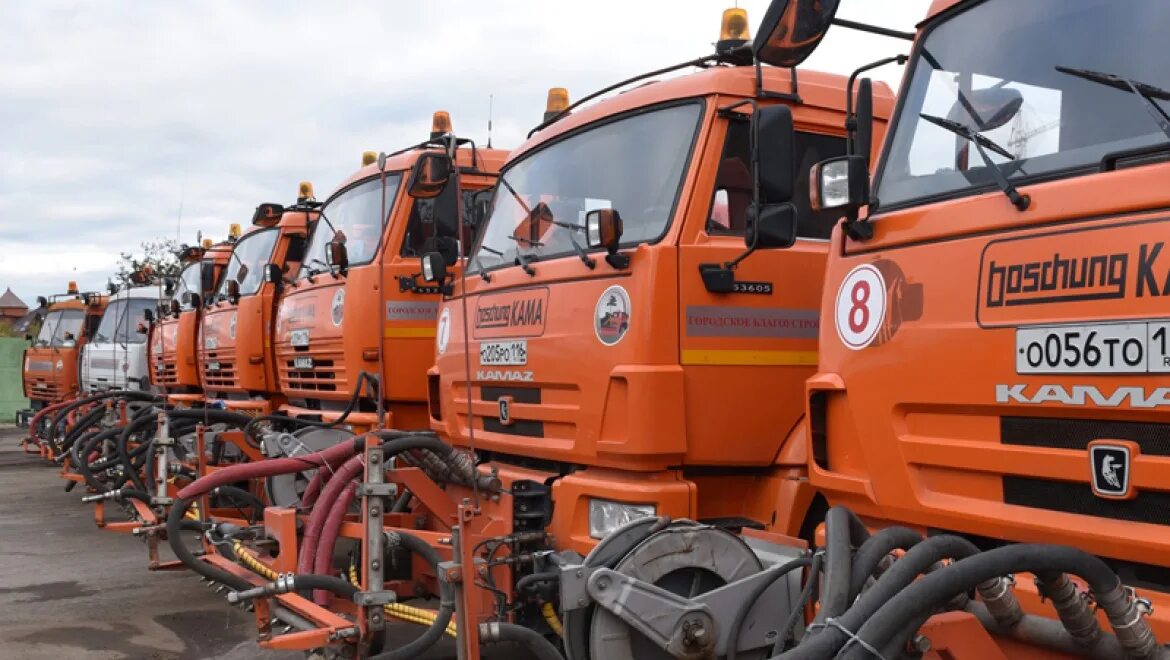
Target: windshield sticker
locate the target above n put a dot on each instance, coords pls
(337, 309)
(611, 315)
(720, 321)
(443, 333)
(406, 310)
(513, 314)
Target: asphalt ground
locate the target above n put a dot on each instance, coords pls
(71, 590)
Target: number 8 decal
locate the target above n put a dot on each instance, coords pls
(861, 306)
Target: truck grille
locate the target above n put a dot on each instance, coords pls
(1148, 507)
(166, 371)
(1069, 497)
(1054, 433)
(327, 373)
(225, 373)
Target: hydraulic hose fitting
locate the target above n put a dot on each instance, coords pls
(283, 584)
(1001, 603)
(1127, 616)
(1072, 605)
(100, 497)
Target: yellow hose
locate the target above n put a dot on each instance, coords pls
(419, 615)
(550, 617)
(252, 563)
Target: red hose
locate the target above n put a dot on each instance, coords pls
(329, 538)
(317, 482)
(312, 536)
(270, 468)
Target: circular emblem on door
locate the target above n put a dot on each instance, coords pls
(611, 315)
(232, 326)
(861, 306)
(443, 332)
(338, 306)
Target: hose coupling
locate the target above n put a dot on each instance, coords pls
(1127, 616)
(284, 583)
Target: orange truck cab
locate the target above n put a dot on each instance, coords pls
(174, 349)
(355, 314)
(613, 352)
(994, 358)
(239, 361)
(50, 363)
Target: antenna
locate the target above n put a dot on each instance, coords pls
(490, 98)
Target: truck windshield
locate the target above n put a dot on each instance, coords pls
(120, 321)
(60, 328)
(253, 251)
(993, 69)
(188, 281)
(634, 165)
(353, 212)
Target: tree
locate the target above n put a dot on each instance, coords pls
(161, 254)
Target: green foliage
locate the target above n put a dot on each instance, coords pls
(161, 254)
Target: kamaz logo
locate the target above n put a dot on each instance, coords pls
(1083, 395)
(513, 375)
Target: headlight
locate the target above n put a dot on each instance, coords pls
(606, 516)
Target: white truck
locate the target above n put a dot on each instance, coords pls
(115, 358)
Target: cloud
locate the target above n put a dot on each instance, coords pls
(116, 115)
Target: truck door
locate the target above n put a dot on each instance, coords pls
(747, 353)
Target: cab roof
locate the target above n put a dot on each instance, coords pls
(939, 6)
(69, 303)
(815, 88)
(488, 161)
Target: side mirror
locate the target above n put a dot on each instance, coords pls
(142, 328)
(774, 226)
(430, 175)
(272, 273)
(336, 255)
(267, 214)
(446, 246)
(792, 29)
(233, 291)
(775, 153)
(206, 276)
(42, 302)
(175, 308)
(191, 300)
(839, 183)
(434, 267)
(242, 274)
(169, 286)
(148, 314)
(603, 228)
(988, 108)
(480, 205)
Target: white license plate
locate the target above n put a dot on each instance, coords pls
(303, 362)
(299, 337)
(510, 353)
(213, 366)
(1099, 348)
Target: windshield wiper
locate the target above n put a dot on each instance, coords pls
(315, 260)
(1146, 92)
(479, 265)
(576, 246)
(523, 260)
(982, 143)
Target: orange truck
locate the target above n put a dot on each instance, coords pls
(238, 361)
(175, 354)
(50, 363)
(993, 354)
(355, 315)
(628, 355)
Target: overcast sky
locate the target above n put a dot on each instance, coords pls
(113, 115)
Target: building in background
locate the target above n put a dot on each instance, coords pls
(12, 310)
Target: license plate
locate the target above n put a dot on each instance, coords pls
(1099, 348)
(299, 337)
(303, 362)
(509, 353)
(213, 366)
